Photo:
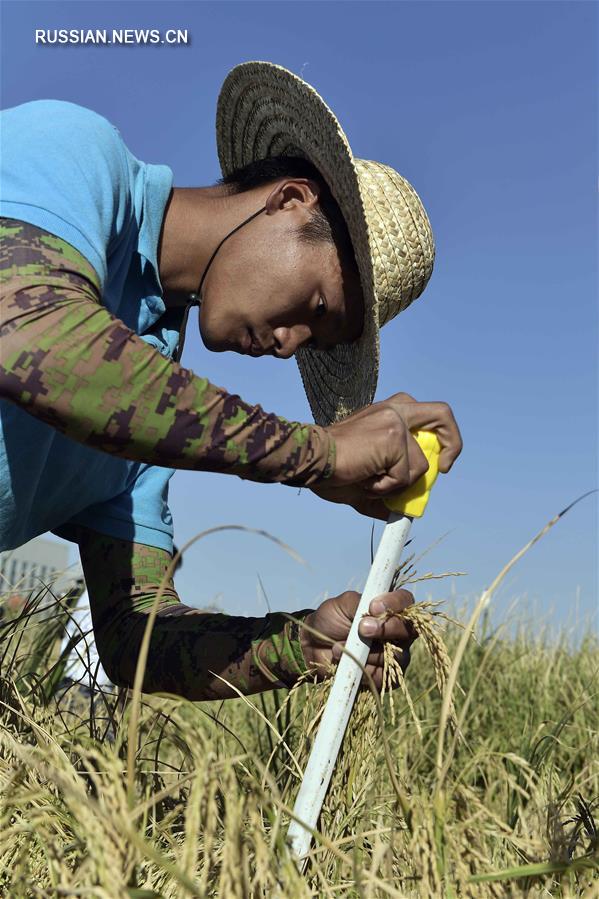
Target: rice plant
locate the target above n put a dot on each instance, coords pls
(475, 779)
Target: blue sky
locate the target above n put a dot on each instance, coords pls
(488, 109)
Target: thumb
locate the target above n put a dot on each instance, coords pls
(381, 486)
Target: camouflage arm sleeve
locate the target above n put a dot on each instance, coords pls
(188, 647)
(66, 360)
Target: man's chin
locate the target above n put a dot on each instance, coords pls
(211, 343)
(216, 343)
(219, 346)
(216, 347)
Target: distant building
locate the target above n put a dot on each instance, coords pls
(35, 564)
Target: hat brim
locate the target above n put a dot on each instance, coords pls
(264, 110)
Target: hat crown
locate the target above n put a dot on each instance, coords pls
(400, 235)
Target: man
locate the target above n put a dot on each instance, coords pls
(301, 249)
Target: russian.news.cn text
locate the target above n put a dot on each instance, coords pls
(113, 36)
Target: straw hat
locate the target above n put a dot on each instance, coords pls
(265, 110)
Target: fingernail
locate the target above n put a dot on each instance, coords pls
(378, 606)
(369, 627)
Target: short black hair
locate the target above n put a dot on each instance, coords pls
(326, 224)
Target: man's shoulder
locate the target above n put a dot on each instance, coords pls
(61, 122)
(55, 111)
(66, 169)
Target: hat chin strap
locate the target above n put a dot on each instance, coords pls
(195, 299)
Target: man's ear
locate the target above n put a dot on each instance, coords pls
(290, 193)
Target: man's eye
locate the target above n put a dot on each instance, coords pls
(321, 308)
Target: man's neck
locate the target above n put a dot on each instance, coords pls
(195, 221)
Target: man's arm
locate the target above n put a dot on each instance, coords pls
(188, 647)
(67, 361)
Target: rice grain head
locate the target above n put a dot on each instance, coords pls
(424, 619)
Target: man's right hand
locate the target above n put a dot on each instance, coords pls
(330, 623)
(376, 453)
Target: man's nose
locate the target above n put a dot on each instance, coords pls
(289, 339)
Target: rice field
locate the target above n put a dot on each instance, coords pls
(476, 776)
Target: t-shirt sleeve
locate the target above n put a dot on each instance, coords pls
(140, 513)
(65, 168)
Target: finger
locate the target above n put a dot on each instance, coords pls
(376, 656)
(394, 601)
(376, 677)
(400, 631)
(452, 449)
(401, 398)
(418, 462)
(440, 419)
(395, 630)
(437, 417)
(377, 659)
(417, 466)
(343, 612)
(376, 670)
(398, 474)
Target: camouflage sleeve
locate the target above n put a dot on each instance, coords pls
(190, 650)
(66, 360)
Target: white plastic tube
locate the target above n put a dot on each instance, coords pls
(347, 679)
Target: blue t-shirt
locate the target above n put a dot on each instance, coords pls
(66, 169)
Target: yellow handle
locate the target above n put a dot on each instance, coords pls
(412, 501)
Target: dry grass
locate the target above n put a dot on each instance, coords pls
(195, 799)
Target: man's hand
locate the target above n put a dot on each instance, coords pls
(333, 619)
(377, 455)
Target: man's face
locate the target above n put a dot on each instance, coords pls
(269, 292)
